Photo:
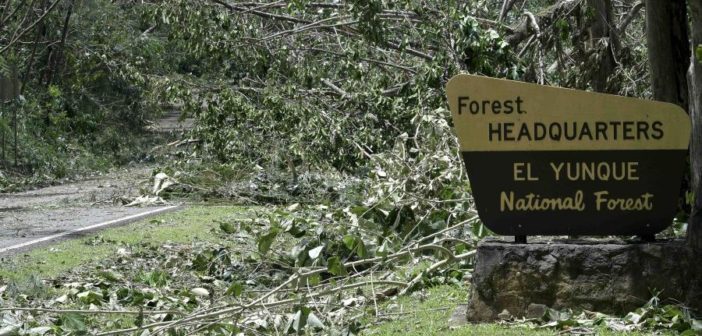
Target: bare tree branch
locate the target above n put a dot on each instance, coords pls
(9, 15)
(506, 7)
(545, 19)
(629, 17)
(30, 27)
(93, 312)
(346, 32)
(337, 89)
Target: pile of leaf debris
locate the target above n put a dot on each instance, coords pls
(295, 270)
(654, 316)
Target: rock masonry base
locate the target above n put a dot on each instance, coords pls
(612, 277)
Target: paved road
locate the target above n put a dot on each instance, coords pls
(170, 122)
(62, 211)
(66, 210)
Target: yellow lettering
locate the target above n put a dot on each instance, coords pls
(632, 173)
(519, 171)
(643, 202)
(529, 176)
(506, 202)
(599, 199)
(557, 170)
(534, 202)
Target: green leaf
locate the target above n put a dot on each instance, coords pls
(349, 241)
(111, 276)
(227, 227)
(290, 226)
(223, 329)
(155, 278)
(562, 324)
(355, 244)
(264, 242)
(90, 297)
(202, 261)
(314, 280)
(334, 266)
(235, 289)
(698, 52)
(361, 248)
(460, 248)
(73, 322)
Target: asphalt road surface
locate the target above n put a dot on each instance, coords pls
(37, 217)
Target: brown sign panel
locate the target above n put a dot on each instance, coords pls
(551, 161)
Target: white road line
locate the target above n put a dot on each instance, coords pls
(87, 228)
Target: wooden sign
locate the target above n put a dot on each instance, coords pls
(551, 161)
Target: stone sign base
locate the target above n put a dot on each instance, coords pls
(613, 277)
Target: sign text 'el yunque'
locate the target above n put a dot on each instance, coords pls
(551, 161)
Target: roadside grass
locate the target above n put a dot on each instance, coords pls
(197, 223)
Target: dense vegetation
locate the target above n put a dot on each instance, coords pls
(80, 69)
(335, 110)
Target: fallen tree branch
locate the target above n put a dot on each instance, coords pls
(506, 7)
(379, 62)
(218, 314)
(260, 13)
(236, 309)
(450, 228)
(93, 312)
(312, 25)
(629, 17)
(543, 20)
(336, 89)
(433, 268)
(533, 23)
(333, 29)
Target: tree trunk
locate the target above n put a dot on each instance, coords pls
(55, 67)
(668, 49)
(603, 39)
(669, 57)
(9, 86)
(694, 228)
(41, 31)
